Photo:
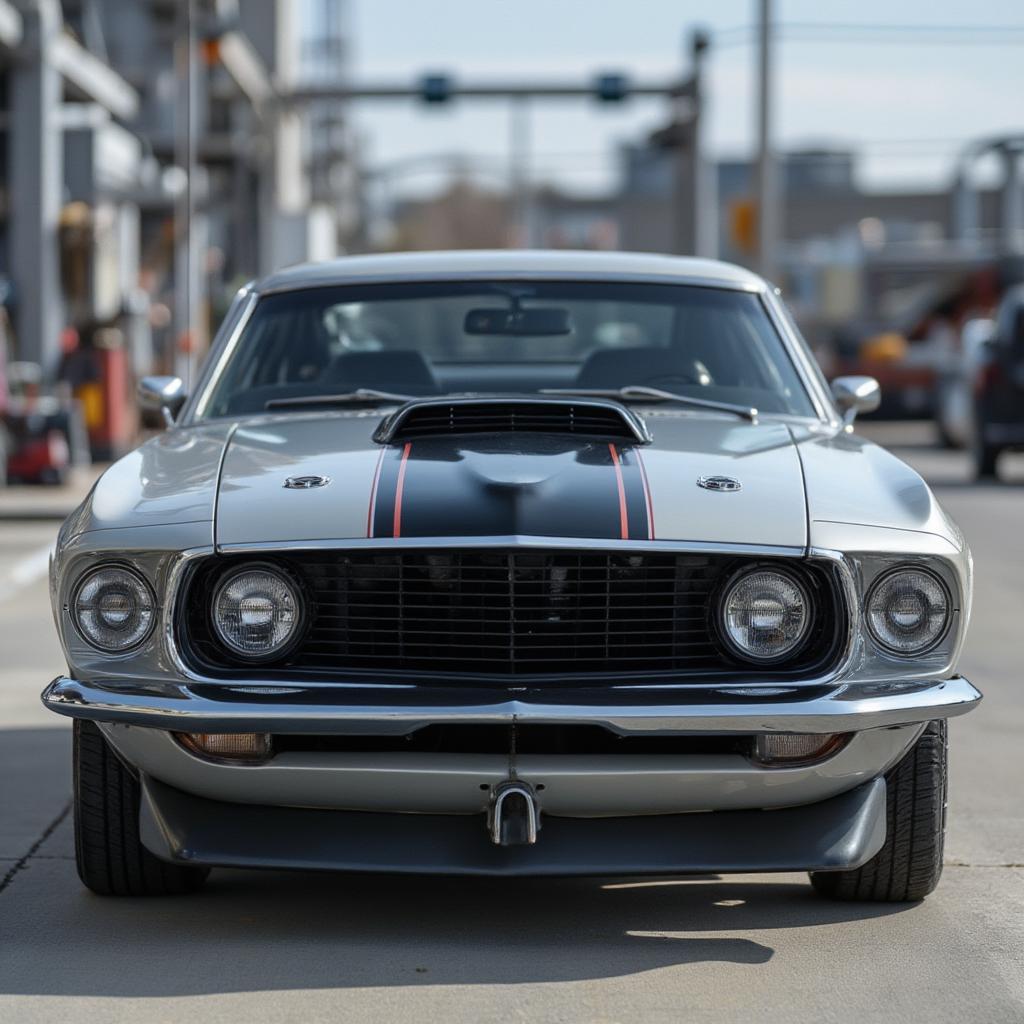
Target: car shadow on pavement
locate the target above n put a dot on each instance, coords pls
(272, 930)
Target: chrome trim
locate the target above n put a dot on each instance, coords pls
(518, 541)
(175, 578)
(797, 349)
(182, 708)
(196, 406)
(305, 483)
(725, 484)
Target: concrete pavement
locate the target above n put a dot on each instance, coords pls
(292, 947)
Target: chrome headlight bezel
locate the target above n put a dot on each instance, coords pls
(872, 592)
(300, 609)
(737, 650)
(138, 580)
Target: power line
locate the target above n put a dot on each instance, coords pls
(860, 32)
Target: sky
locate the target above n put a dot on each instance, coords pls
(908, 101)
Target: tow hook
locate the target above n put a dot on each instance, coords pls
(513, 818)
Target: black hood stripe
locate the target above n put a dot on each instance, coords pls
(443, 487)
(374, 488)
(648, 504)
(638, 496)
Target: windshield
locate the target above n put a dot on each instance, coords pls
(415, 338)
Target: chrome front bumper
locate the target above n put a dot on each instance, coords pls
(401, 709)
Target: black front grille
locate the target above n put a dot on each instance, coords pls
(431, 419)
(513, 613)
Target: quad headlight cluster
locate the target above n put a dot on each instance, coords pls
(764, 614)
(257, 611)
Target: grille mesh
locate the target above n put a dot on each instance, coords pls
(511, 613)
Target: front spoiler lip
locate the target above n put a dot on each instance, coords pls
(326, 709)
(842, 832)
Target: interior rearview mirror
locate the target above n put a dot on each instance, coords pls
(855, 395)
(518, 322)
(162, 395)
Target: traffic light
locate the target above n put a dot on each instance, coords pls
(611, 87)
(436, 88)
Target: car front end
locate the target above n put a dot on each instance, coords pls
(544, 633)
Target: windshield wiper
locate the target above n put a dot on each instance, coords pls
(369, 396)
(747, 412)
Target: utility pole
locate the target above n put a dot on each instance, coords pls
(691, 234)
(692, 224)
(185, 262)
(35, 168)
(768, 194)
(520, 187)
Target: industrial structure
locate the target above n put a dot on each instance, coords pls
(148, 166)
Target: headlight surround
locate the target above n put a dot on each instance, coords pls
(257, 612)
(908, 611)
(113, 609)
(765, 615)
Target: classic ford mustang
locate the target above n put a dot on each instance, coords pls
(511, 564)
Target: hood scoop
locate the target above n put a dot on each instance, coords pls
(581, 417)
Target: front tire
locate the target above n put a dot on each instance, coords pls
(909, 865)
(110, 856)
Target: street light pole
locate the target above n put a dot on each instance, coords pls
(768, 195)
(520, 188)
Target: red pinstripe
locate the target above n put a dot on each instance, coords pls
(400, 486)
(623, 516)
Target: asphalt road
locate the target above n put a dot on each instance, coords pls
(291, 947)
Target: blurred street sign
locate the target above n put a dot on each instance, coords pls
(743, 225)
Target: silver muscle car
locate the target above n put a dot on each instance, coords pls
(510, 564)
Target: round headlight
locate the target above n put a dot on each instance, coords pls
(765, 615)
(907, 611)
(113, 609)
(257, 613)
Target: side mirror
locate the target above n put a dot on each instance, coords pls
(162, 395)
(854, 395)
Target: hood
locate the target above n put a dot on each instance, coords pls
(171, 479)
(516, 484)
(854, 482)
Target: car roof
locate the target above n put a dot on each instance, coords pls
(511, 263)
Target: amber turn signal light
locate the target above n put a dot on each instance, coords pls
(240, 747)
(790, 750)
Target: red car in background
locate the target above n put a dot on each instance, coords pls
(36, 426)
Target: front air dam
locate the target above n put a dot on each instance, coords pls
(843, 832)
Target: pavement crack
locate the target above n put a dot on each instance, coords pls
(22, 862)
(969, 864)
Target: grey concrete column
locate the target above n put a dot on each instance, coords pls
(36, 184)
(1011, 222)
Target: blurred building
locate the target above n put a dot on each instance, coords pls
(147, 169)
